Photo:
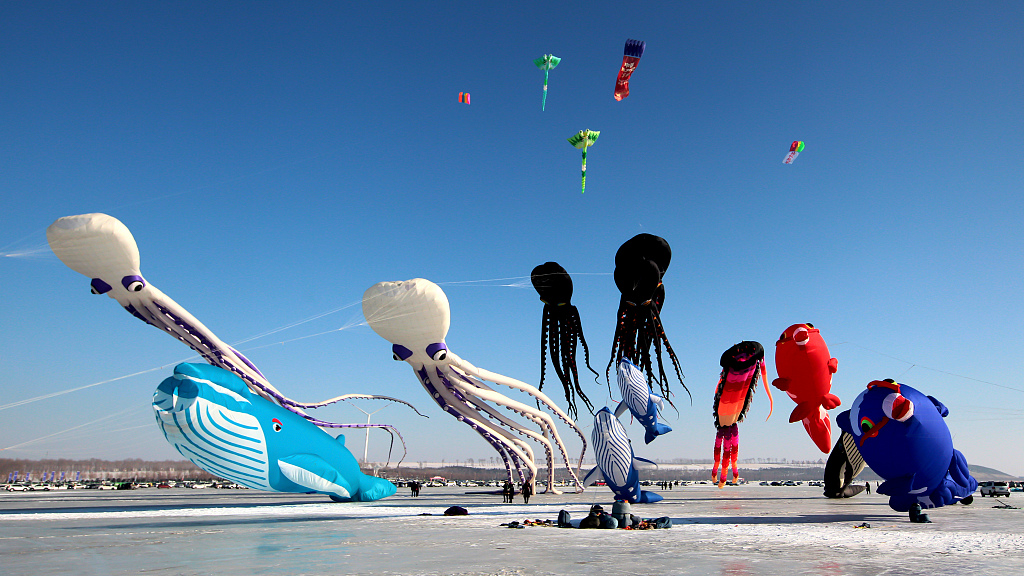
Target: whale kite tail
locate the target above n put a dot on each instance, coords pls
(373, 488)
(654, 431)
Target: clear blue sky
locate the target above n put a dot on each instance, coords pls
(274, 160)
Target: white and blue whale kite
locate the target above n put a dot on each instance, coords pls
(212, 418)
(641, 402)
(616, 464)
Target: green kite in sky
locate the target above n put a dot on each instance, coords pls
(545, 63)
(583, 140)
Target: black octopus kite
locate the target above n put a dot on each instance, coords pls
(561, 331)
(640, 265)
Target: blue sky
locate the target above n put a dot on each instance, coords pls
(274, 160)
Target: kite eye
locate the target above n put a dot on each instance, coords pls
(400, 352)
(897, 407)
(438, 351)
(277, 425)
(133, 283)
(99, 286)
(866, 425)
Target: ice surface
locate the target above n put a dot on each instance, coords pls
(737, 531)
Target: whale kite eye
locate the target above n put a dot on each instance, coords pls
(400, 352)
(866, 425)
(897, 407)
(277, 425)
(133, 283)
(438, 351)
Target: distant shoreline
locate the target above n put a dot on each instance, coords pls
(66, 470)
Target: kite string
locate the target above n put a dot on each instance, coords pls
(107, 417)
(913, 365)
(352, 323)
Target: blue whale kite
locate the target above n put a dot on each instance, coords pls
(641, 402)
(902, 436)
(212, 418)
(616, 464)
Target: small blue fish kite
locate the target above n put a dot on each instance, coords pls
(641, 402)
(212, 418)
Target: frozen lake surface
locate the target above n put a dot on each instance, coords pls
(736, 531)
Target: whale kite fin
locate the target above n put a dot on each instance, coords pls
(782, 384)
(621, 409)
(644, 464)
(593, 476)
(940, 407)
(316, 474)
(833, 365)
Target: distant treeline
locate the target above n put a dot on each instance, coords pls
(138, 469)
(95, 469)
(660, 475)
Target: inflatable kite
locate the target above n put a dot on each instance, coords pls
(805, 374)
(630, 58)
(212, 418)
(464, 97)
(639, 400)
(546, 63)
(561, 331)
(741, 365)
(843, 465)
(414, 316)
(103, 249)
(640, 264)
(794, 150)
(616, 464)
(583, 140)
(902, 436)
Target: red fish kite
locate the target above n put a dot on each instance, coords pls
(805, 373)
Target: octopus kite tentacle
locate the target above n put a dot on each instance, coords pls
(541, 418)
(510, 455)
(414, 316)
(103, 249)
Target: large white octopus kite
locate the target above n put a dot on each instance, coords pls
(103, 249)
(414, 316)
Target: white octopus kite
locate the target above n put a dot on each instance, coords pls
(414, 316)
(103, 249)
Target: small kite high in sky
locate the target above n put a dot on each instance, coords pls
(630, 58)
(545, 63)
(794, 150)
(583, 140)
(464, 97)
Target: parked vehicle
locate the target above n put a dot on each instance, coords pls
(994, 488)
